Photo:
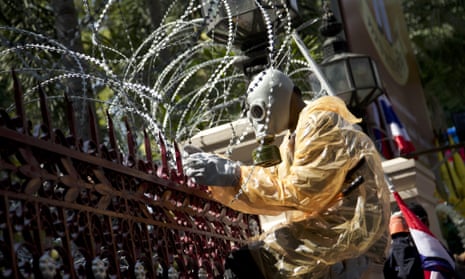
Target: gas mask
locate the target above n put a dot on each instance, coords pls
(268, 99)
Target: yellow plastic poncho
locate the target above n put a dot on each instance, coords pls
(321, 227)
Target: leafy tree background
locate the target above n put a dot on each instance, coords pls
(437, 32)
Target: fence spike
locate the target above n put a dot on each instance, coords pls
(112, 137)
(111, 131)
(178, 156)
(163, 171)
(46, 113)
(19, 102)
(130, 139)
(71, 120)
(148, 151)
(93, 125)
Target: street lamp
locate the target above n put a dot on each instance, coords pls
(248, 17)
(245, 24)
(353, 77)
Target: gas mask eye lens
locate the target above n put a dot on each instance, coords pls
(257, 112)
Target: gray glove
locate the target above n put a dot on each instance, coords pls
(210, 169)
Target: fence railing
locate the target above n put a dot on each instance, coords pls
(74, 208)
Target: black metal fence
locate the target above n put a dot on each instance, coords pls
(73, 208)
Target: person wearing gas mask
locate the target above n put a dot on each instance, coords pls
(328, 182)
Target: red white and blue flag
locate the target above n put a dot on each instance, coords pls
(381, 139)
(436, 261)
(395, 128)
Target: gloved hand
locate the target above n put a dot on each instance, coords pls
(212, 170)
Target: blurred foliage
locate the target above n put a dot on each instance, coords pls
(437, 32)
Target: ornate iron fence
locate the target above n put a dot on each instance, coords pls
(71, 208)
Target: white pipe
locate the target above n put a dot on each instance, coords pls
(314, 66)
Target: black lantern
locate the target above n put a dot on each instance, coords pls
(247, 18)
(244, 24)
(352, 77)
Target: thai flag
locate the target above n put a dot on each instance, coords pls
(381, 143)
(395, 128)
(436, 261)
(381, 140)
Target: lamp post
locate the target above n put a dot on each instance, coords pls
(248, 22)
(353, 77)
